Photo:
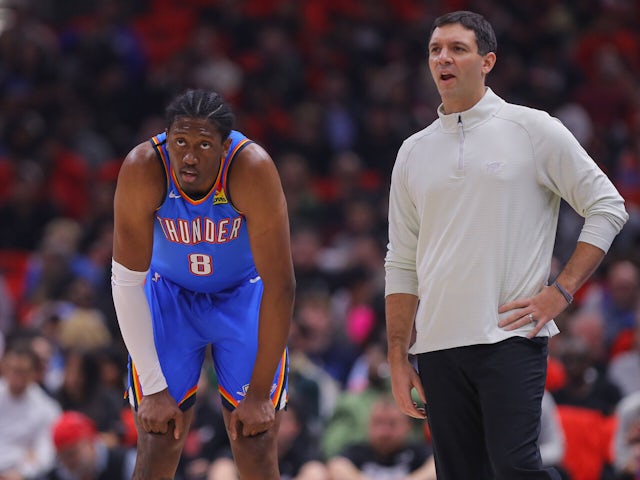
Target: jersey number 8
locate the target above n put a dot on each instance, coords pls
(200, 264)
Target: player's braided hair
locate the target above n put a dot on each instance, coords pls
(202, 104)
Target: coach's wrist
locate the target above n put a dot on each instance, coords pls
(395, 356)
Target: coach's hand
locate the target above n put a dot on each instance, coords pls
(404, 379)
(252, 417)
(156, 411)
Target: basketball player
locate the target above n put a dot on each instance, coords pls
(201, 257)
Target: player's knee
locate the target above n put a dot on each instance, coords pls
(256, 457)
(160, 447)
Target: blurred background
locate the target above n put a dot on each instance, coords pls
(330, 88)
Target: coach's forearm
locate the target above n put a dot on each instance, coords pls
(583, 263)
(400, 312)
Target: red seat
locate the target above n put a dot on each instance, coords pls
(588, 441)
(13, 265)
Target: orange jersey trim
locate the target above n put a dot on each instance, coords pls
(137, 388)
(277, 394)
(189, 394)
(165, 160)
(223, 180)
(227, 396)
(280, 384)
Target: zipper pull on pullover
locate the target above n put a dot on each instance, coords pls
(461, 145)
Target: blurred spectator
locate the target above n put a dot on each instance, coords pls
(315, 390)
(51, 364)
(298, 450)
(27, 210)
(26, 448)
(627, 438)
(388, 453)
(307, 251)
(551, 440)
(340, 123)
(379, 139)
(588, 325)
(358, 217)
(306, 136)
(84, 391)
(624, 369)
(617, 300)
(68, 177)
(349, 422)
(303, 204)
(627, 173)
(57, 262)
(81, 455)
(321, 336)
(348, 192)
(82, 325)
(108, 66)
(369, 381)
(632, 470)
(585, 387)
(6, 308)
(214, 69)
(585, 406)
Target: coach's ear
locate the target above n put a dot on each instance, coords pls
(488, 62)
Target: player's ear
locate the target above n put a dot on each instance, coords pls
(225, 146)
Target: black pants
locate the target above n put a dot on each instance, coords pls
(483, 407)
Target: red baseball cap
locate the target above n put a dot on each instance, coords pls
(71, 428)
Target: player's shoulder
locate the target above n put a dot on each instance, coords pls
(142, 155)
(142, 162)
(247, 151)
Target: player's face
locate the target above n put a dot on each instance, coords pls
(457, 68)
(195, 149)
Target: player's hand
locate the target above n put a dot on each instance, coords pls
(157, 411)
(404, 379)
(252, 417)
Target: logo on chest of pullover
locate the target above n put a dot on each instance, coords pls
(199, 230)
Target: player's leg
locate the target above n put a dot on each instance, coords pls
(256, 457)
(235, 344)
(158, 455)
(181, 353)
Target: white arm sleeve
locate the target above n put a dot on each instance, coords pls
(134, 318)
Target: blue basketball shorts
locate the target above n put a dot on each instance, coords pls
(186, 323)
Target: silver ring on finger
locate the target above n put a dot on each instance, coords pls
(533, 320)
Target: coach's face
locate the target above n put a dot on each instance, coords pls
(457, 68)
(196, 149)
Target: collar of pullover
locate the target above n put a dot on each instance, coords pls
(482, 111)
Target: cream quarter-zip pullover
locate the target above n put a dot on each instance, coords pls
(473, 212)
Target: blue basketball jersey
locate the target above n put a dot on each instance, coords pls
(201, 245)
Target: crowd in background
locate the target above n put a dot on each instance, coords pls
(330, 88)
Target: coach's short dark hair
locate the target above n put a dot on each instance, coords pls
(485, 36)
(202, 104)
